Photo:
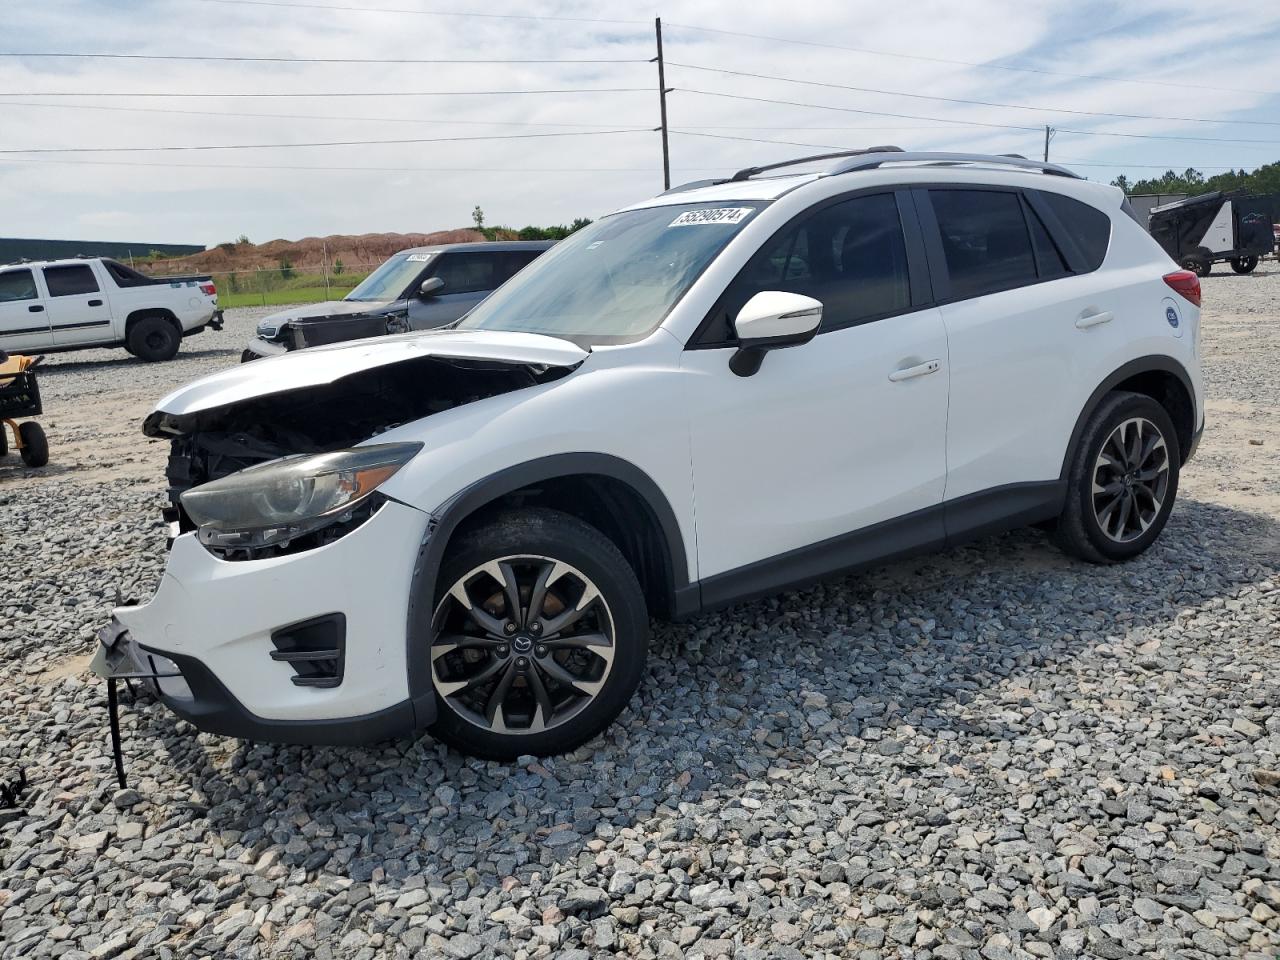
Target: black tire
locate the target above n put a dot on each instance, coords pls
(562, 540)
(1080, 530)
(4, 438)
(1244, 264)
(247, 356)
(1201, 268)
(35, 445)
(154, 339)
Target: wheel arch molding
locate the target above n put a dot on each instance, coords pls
(611, 481)
(1160, 377)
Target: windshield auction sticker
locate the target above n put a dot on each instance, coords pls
(691, 218)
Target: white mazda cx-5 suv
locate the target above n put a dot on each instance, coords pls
(727, 390)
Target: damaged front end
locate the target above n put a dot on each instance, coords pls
(248, 633)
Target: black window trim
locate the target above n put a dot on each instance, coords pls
(1077, 263)
(1028, 212)
(919, 282)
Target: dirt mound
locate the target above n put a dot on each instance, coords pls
(308, 255)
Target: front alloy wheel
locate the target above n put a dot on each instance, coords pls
(522, 644)
(538, 637)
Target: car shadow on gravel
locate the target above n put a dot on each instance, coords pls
(734, 704)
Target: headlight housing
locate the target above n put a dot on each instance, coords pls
(273, 503)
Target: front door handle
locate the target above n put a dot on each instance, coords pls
(36, 308)
(95, 303)
(919, 370)
(1085, 321)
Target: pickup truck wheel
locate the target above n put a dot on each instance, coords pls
(153, 339)
(1122, 482)
(1244, 264)
(539, 636)
(35, 445)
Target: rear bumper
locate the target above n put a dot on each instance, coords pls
(217, 623)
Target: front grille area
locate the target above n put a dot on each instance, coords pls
(316, 649)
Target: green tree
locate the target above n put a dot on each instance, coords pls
(338, 267)
(478, 216)
(286, 268)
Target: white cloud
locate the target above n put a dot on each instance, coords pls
(215, 201)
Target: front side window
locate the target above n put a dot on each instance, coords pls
(615, 280)
(70, 281)
(985, 241)
(851, 256)
(468, 272)
(17, 285)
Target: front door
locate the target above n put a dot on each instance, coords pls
(24, 321)
(835, 451)
(78, 309)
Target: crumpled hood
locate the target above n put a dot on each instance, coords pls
(329, 308)
(322, 365)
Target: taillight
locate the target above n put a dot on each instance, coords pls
(1186, 284)
(210, 289)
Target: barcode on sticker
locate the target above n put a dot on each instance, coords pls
(418, 257)
(712, 215)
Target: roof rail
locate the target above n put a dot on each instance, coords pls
(693, 185)
(748, 172)
(869, 161)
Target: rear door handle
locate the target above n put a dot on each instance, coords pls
(95, 303)
(1088, 320)
(919, 370)
(36, 308)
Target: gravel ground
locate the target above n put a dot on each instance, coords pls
(994, 752)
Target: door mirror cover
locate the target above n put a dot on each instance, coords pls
(770, 320)
(430, 287)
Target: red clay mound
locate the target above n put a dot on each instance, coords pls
(358, 253)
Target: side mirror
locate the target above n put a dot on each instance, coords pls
(771, 320)
(430, 286)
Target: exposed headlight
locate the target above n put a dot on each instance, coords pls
(275, 502)
(267, 330)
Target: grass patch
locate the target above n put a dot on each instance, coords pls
(254, 298)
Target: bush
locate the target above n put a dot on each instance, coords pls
(338, 267)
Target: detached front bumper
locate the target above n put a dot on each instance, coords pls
(260, 347)
(242, 637)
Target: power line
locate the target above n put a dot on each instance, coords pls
(225, 59)
(374, 93)
(325, 143)
(294, 116)
(789, 143)
(971, 63)
(352, 118)
(971, 123)
(340, 169)
(419, 12)
(976, 103)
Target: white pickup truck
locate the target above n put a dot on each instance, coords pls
(55, 305)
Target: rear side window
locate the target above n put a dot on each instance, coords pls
(851, 256)
(70, 280)
(17, 285)
(1088, 226)
(985, 241)
(1049, 260)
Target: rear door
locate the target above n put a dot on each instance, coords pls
(1029, 325)
(468, 278)
(24, 321)
(78, 308)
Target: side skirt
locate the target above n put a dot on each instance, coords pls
(924, 531)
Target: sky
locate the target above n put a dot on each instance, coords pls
(590, 147)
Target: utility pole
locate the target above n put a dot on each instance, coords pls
(662, 106)
(1048, 135)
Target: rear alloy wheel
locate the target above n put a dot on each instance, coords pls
(538, 644)
(1122, 482)
(1244, 264)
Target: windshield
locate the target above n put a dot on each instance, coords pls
(391, 279)
(617, 279)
